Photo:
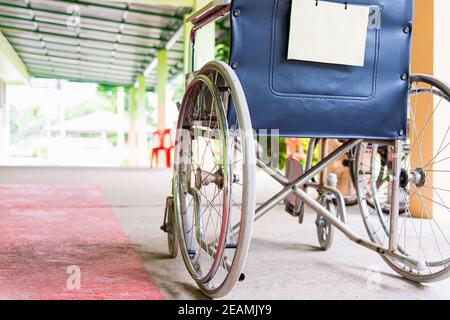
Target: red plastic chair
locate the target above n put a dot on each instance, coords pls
(294, 149)
(162, 142)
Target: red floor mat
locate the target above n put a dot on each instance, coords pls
(54, 239)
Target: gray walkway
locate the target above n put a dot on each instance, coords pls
(284, 262)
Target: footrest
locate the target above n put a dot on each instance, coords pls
(293, 203)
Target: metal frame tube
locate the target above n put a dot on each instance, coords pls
(353, 236)
(340, 224)
(281, 179)
(310, 155)
(304, 178)
(223, 11)
(339, 198)
(395, 190)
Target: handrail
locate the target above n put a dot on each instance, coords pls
(210, 12)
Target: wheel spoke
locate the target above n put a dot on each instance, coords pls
(422, 233)
(214, 182)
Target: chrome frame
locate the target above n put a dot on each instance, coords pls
(216, 252)
(339, 223)
(220, 8)
(213, 11)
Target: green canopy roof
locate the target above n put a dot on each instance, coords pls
(91, 41)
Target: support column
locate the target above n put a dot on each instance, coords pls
(120, 114)
(187, 58)
(142, 143)
(62, 117)
(132, 136)
(442, 72)
(161, 89)
(423, 62)
(4, 124)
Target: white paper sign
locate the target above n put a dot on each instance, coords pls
(328, 32)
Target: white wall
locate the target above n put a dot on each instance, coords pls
(442, 39)
(4, 123)
(442, 116)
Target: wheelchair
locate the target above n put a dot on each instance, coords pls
(382, 113)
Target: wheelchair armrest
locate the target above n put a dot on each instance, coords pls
(211, 12)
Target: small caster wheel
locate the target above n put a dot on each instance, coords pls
(325, 231)
(169, 228)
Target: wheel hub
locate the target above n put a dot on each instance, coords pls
(418, 177)
(205, 178)
(404, 179)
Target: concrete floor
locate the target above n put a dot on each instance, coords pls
(284, 261)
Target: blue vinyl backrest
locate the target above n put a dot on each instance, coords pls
(308, 99)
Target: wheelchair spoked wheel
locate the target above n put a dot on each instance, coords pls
(172, 244)
(325, 230)
(214, 179)
(424, 200)
(383, 166)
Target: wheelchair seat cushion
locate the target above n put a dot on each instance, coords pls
(309, 99)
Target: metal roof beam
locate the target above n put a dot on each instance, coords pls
(136, 66)
(34, 66)
(82, 27)
(134, 10)
(84, 78)
(98, 69)
(84, 16)
(84, 46)
(33, 49)
(14, 30)
(84, 75)
(12, 68)
(173, 3)
(75, 79)
(93, 73)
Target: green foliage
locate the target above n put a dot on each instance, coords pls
(26, 124)
(179, 91)
(223, 52)
(107, 91)
(112, 138)
(88, 107)
(223, 45)
(283, 153)
(149, 109)
(107, 101)
(305, 143)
